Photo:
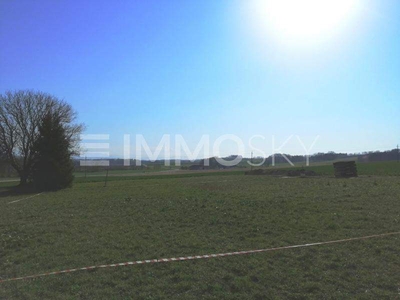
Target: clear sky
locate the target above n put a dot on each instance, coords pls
(211, 67)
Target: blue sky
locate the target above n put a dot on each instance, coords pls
(198, 67)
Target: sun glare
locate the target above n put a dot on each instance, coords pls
(303, 19)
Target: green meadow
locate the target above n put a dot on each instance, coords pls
(138, 218)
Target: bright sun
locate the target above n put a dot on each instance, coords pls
(303, 19)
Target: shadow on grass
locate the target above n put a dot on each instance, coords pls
(15, 190)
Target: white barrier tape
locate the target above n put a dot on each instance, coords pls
(139, 262)
(24, 198)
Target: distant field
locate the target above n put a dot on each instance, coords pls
(136, 218)
(324, 169)
(385, 168)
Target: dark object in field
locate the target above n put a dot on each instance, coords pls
(345, 169)
(282, 172)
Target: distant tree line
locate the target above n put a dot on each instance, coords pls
(318, 157)
(389, 155)
(380, 156)
(202, 164)
(6, 170)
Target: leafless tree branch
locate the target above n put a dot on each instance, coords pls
(21, 113)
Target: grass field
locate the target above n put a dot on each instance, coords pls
(168, 216)
(381, 168)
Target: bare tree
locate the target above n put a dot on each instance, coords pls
(21, 113)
